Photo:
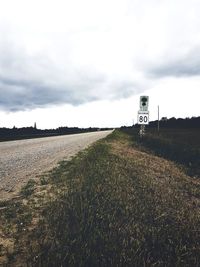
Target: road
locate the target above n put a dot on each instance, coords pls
(27, 159)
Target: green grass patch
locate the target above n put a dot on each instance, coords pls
(28, 189)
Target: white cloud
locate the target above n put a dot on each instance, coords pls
(76, 52)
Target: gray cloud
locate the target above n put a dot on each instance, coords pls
(182, 66)
(79, 57)
(28, 82)
(22, 95)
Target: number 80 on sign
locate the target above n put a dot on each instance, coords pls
(143, 118)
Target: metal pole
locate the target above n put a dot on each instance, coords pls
(158, 119)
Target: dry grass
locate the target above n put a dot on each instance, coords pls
(112, 205)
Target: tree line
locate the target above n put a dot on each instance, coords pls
(32, 132)
(193, 122)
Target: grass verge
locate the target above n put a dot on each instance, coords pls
(112, 205)
(179, 145)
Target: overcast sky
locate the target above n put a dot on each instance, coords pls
(86, 62)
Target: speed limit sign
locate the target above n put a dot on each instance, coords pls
(143, 117)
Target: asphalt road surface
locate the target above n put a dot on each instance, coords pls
(27, 159)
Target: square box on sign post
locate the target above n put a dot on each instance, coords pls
(144, 103)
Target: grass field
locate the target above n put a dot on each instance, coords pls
(179, 145)
(115, 204)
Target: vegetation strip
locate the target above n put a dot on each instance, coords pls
(111, 205)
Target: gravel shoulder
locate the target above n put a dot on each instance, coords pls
(27, 159)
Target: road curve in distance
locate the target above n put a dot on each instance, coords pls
(22, 160)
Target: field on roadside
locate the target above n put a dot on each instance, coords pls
(180, 145)
(115, 204)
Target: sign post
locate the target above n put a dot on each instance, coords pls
(143, 114)
(158, 119)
